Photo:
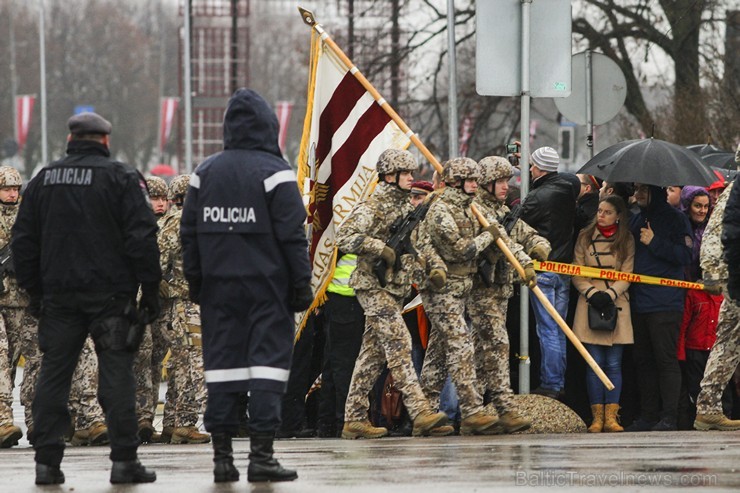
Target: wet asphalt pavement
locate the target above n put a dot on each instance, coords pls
(627, 462)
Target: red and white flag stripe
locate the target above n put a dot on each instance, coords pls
(168, 108)
(283, 109)
(23, 113)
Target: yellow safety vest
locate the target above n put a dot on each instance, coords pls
(340, 282)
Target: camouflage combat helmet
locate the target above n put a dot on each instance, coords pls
(494, 167)
(179, 186)
(9, 177)
(460, 168)
(396, 160)
(157, 186)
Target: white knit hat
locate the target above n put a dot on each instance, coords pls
(546, 159)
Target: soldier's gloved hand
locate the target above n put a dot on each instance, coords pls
(164, 289)
(149, 303)
(600, 300)
(713, 287)
(34, 307)
(388, 255)
(438, 278)
(530, 276)
(302, 298)
(493, 229)
(539, 252)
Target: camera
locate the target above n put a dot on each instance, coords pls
(512, 148)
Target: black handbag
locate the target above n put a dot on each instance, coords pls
(602, 319)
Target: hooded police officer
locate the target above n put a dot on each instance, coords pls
(83, 243)
(246, 262)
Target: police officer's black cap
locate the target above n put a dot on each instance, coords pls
(89, 123)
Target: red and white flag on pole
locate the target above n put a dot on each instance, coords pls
(23, 114)
(344, 132)
(466, 130)
(283, 109)
(168, 108)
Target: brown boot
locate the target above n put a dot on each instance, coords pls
(715, 421)
(597, 410)
(189, 434)
(9, 435)
(146, 431)
(512, 421)
(611, 419)
(478, 424)
(442, 431)
(426, 421)
(96, 434)
(165, 436)
(362, 429)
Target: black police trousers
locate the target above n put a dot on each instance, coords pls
(66, 320)
(221, 414)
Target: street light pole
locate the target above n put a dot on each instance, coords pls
(452, 100)
(42, 82)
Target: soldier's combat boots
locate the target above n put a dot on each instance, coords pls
(165, 436)
(362, 429)
(479, 423)
(717, 421)
(49, 474)
(131, 471)
(189, 434)
(611, 423)
(96, 434)
(597, 411)
(223, 459)
(512, 421)
(426, 421)
(9, 435)
(146, 430)
(262, 466)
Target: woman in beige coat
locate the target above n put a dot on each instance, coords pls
(606, 243)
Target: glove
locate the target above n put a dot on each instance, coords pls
(713, 287)
(493, 229)
(530, 276)
(164, 289)
(34, 307)
(600, 300)
(149, 303)
(194, 291)
(302, 298)
(437, 278)
(539, 252)
(388, 255)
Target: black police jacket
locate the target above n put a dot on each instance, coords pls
(550, 208)
(85, 224)
(731, 238)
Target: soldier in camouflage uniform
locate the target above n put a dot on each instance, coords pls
(726, 350)
(492, 288)
(186, 389)
(89, 419)
(156, 340)
(365, 233)
(453, 238)
(13, 303)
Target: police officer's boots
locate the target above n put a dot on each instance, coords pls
(49, 474)
(262, 466)
(131, 471)
(223, 459)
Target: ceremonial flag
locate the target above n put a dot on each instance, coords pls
(168, 107)
(23, 113)
(283, 109)
(344, 132)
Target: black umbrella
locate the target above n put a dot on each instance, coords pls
(704, 149)
(725, 160)
(649, 161)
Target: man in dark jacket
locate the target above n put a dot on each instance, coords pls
(246, 261)
(550, 208)
(663, 244)
(731, 237)
(84, 241)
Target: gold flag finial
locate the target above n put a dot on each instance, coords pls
(308, 16)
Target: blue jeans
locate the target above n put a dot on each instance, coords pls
(609, 358)
(556, 288)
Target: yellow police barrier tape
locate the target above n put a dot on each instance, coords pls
(612, 275)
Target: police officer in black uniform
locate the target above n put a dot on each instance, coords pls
(246, 261)
(83, 243)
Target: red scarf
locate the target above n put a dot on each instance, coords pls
(608, 231)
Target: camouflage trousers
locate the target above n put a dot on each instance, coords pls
(449, 351)
(12, 322)
(83, 395)
(186, 388)
(386, 339)
(148, 363)
(491, 343)
(723, 359)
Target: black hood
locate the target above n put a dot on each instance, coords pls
(250, 123)
(658, 199)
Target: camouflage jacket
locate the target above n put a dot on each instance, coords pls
(365, 232)
(170, 253)
(711, 258)
(13, 295)
(521, 240)
(450, 234)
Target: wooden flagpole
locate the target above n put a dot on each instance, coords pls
(310, 19)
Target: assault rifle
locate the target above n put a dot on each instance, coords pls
(400, 240)
(485, 268)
